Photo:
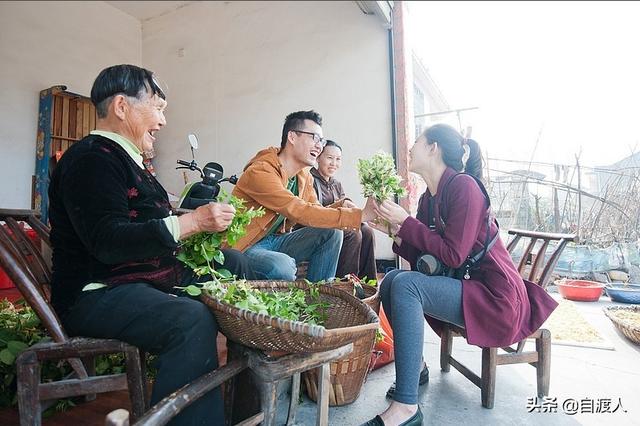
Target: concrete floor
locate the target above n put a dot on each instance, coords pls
(577, 373)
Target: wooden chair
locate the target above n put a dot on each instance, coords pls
(536, 268)
(25, 265)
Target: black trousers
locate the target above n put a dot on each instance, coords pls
(357, 254)
(180, 330)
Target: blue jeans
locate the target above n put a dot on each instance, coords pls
(406, 297)
(275, 256)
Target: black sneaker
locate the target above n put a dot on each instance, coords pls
(424, 379)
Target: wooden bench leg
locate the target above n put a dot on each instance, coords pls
(543, 366)
(295, 396)
(135, 382)
(269, 401)
(145, 384)
(324, 383)
(488, 388)
(90, 366)
(446, 345)
(28, 383)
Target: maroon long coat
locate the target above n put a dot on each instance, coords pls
(500, 308)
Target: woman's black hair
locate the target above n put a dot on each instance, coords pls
(125, 79)
(451, 145)
(332, 143)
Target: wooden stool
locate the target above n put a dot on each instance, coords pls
(268, 371)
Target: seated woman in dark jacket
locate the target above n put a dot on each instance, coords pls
(114, 243)
(491, 301)
(357, 253)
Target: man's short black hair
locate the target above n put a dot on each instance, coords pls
(124, 79)
(295, 121)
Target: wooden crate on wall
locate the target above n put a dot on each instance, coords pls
(63, 119)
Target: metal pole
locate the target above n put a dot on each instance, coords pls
(579, 198)
(428, 114)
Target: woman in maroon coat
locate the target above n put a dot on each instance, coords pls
(492, 302)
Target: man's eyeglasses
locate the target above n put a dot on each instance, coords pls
(316, 137)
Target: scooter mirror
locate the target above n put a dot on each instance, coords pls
(193, 141)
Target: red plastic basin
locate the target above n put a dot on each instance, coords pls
(580, 290)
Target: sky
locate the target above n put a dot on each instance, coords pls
(564, 74)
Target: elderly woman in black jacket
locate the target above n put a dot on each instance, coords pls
(357, 252)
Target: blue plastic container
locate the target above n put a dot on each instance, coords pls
(624, 293)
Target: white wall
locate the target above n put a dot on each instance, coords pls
(44, 44)
(246, 65)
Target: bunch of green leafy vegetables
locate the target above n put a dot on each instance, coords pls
(200, 250)
(293, 304)
(378, 177)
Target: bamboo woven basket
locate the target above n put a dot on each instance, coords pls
(372, 298)
(629, 329)
(347, 374)
(348, 319)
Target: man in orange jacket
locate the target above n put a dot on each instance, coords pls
(278, 180)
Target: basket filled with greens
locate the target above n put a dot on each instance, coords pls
(271, 315)
(288, 316)
(364, 289)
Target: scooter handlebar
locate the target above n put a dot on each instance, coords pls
(184, 163)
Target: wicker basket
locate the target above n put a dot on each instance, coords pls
(629, 329)
(348, 319)
(372, 298)
(347, 374)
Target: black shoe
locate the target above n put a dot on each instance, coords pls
(415, 420)
(424, 379)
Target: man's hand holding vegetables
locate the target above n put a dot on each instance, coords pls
(278, 180)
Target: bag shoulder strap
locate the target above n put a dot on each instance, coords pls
(443, 209)
(474, 258)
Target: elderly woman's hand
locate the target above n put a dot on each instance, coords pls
(392, 212)
(213, 217)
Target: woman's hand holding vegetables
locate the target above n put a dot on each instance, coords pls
(392, 212)
(382, 225)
